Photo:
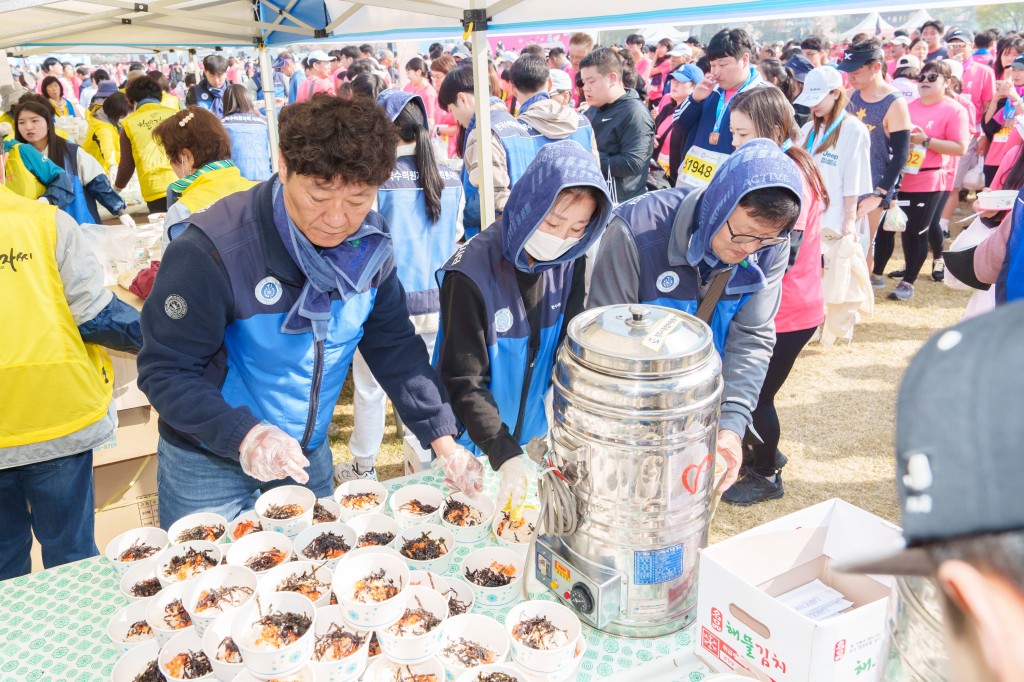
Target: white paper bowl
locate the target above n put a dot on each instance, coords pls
(435, 531)
(489, 597)
(348, 668)
(273, 662)
(999, 200)
(200, 519)
(164, 558)
(117, 628)
(142, 570)
(374, 523)
(155, 612)
(411, 649)
(252, 544)
(471, 534)
(531, 516)
(214, 635)
(303, 674)
(358, 487)
(373, 615)
(303, 540)
(287, 494)
(238, 520)
(186, 641)
(383, 670)
(134, 662)
(429, 580)
(473, 674)
(474, 628)
(221, 576)
(566, 674)
(154, 537)
(270, 581)
(461, 590)
(332, 508)
(549, 660)
(418, 491)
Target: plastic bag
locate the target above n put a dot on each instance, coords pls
(974, 179)
(895, 219)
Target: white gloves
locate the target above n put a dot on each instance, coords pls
(43, 200)
(462, 471)
(514, 485)
(270, 454)
(127, 220)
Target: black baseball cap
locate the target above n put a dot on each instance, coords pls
(961, 35)
(854, 58)
(800, 66)
(959, 434)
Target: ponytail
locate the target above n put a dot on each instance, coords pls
(809, 169)
(413, 128)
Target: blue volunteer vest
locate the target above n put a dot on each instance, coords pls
(650, 219)
(421, 246)
(82, 208)
(519, 152)
(583, 135)
(508, 332)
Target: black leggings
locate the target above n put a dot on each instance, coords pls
(766, 419)
(920, 209)
(936, 239)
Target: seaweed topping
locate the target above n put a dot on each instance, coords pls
(374, 588)
(415, 622)
(359, 501)
(376, 538)
(187, 565)
(424, 548)
(150, 674)
(137, 551)
(374, 649)
(227, 651)
(175, 615)
(265, 560)
(461, 514)
(326, 546)
(280, 512)
(244, 528)
(455, 606)
(279, 629)
(229, 595)
(495, 575)
(406, 674)
(512, 531)
(417, 508)
(322, 515)
(540, 633)
(145, 588)
(495, 677)
(208, 533)
(139, 630)
(336, 644)
(305, 583)
(189, 665)
(468, 654)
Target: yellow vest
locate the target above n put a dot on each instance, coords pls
(151, 162)
(213, 186)
(54, 384)
(19, 179)
(103, 142)
(170, 101)
(6, 118)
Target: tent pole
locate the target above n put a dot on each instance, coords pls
(267, 74)
(482, 90)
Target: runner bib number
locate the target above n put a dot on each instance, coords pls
(1003, 135)
(915, 159)
(699, 166)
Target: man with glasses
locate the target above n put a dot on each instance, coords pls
(725, 246)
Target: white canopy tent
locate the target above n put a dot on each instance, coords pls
(872, 24)
(916, 20)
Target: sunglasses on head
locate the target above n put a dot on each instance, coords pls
(930, 77)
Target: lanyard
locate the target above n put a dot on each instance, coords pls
(831, 129)
(724, 105)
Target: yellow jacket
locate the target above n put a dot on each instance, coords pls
(151, 162)
(103, 141)
(6, 118)
(212, 186)
(170, 101)
(54, 383)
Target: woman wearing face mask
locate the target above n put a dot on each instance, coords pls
(89, 181)
(507, 297)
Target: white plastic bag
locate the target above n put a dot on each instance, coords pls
(974, 179)
(846, 285)
(895, 219)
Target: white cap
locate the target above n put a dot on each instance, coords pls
(507, 56)
(908, 60)
(819, 82)
(681, 50)
(319, 56)
(560, 81)
(956, 67)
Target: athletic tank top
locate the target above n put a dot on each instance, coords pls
(871, 114)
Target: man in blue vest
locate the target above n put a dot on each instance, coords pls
(258, 309)
(677, 246)
(507, 297)
(209, 92)
(545, 119)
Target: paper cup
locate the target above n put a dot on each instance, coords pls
(544, 661)
(330, 507)
(282, 495)
(142, 570)
(303, 674)
(242, 552)
(425, 494)
(181, 643)
(269, 662)
(121, 623)
(374, 523)
(193, 521)
(222, 576)
(460, 596)
(477, 629)
(135, 661)
(519, 542)
(429, 580)
(163, 560)
(442, 535)
(212, 638)
(360, 486)
(409, 649)
(483, 558)
(239, 527)
(373, 615)
(475, 533)
(383, 670)
(345, 669)
(273, 580)
(156, 612)
(475, 674)
(306, 537)
(153, 537)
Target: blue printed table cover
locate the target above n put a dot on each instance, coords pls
(53, 623)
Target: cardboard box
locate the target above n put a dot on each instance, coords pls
(136, 436)
(416, 458)
(126, 389)
(741, 624)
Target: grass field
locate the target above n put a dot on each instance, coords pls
(837, 411)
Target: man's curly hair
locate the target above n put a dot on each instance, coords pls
(331, 139)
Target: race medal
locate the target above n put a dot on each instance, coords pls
(699, 166)
(713, 138)
(915, 159)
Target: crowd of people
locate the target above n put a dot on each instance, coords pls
(709, 178)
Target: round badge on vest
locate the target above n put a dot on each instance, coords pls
(667, 281)
(175, 307)
(269, 290)
(503, 320)
(205, 96)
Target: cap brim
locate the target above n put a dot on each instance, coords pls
(848, 65)
(908, 561)
(810, 98)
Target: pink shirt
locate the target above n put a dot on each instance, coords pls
(1009, 159)
(444, 118)
(643, 67)
(944, 120)
(951, 163)
(313, 85)
(980, 85)
(997, 149)
(427, 93)
(803, 301)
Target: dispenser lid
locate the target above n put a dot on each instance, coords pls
(638, 338)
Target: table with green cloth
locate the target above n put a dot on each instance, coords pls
(53, 623)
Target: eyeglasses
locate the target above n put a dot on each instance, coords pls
(930, 77)
(751, 238)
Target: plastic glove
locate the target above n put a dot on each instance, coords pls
(513, 487)
(43, 200)
(127, 220)
(462, 471)
(270, 454)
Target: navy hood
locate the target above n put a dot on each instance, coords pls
(557, 166)
(394, 101)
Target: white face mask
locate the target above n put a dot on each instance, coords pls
(547, 247)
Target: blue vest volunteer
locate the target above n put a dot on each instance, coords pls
(583, 133)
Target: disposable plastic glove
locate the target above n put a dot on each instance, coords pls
(270, 454)
(514, 485)
(462, 471)
(127, 220)
(43, 200)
